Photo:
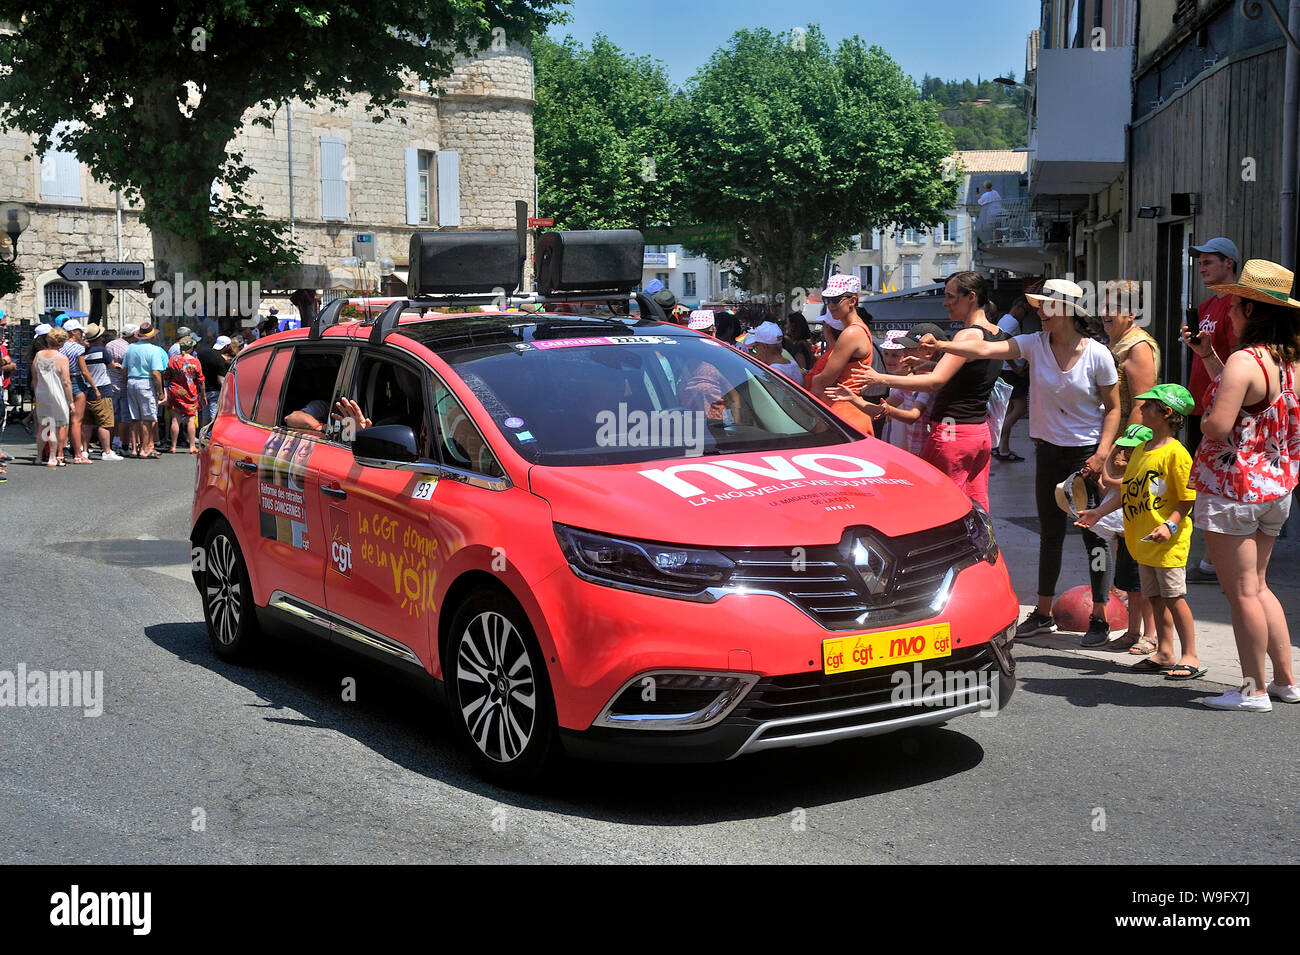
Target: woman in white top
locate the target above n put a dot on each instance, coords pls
(53, 396)
(1073, 421)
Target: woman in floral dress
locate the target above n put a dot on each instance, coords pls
(1245, 469)
(185, 386)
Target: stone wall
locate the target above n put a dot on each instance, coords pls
(485, 113)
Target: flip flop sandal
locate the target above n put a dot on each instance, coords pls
(1012, 456)
(1193, 673)
(1151, 666)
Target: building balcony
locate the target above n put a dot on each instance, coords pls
(1083, 99)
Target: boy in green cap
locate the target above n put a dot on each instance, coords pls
(1156, 504)
(1140, 637)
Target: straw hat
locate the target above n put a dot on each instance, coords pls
(1263, 281)
(1072, 495)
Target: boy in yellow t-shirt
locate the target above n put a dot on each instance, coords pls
(1157, 505)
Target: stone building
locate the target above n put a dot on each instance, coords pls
(460, 160)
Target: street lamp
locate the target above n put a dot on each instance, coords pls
(16, 220)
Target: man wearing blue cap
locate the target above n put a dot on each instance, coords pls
(1218, 264)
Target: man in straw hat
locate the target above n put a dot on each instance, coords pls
(1074, 425)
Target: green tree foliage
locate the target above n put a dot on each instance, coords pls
(125, 78)
(603, 126)
(795, 147)
(998, 124)
(11, 280)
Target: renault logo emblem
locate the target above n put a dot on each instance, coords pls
(873, 563)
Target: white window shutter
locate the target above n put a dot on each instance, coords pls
(412, 156)
(448, 187)
(956, 229)
(60, 171)
(333, 190)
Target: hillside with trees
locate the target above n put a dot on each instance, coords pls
(998, 124)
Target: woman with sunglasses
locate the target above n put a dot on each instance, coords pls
(849, 348)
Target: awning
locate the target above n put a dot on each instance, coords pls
(353, 280)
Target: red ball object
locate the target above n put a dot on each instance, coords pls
(1073, 608)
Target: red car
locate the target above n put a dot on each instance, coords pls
(597, 533)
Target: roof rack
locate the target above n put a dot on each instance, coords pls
(329, 315)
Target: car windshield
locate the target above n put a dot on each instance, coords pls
(567, 397)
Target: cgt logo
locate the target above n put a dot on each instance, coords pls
(775, 468)
(341, 554)
(340, 541)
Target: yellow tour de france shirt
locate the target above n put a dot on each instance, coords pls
(1154, 483)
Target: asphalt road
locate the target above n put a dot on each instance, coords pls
(1086, 763)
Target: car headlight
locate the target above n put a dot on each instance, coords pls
(662, 567)
(979, 528)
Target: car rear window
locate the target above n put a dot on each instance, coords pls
(610, 400)
(268, 403)
(248, 370)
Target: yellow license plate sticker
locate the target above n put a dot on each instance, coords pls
(889, 648)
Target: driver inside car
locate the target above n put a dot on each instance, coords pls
(312, 416)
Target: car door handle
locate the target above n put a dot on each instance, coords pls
(247, 465)
(337, 492)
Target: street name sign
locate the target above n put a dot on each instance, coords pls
(131, 273)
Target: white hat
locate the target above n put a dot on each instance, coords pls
(72, 325)
(769, 333)
(702, 318)
(221, 342)
(44, 328)
(1064, 292)
(128, 331)
(841, 285)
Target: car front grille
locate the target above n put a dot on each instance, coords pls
(812, 693)
(825, 584)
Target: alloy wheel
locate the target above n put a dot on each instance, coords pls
(222, 588)
(496, 687)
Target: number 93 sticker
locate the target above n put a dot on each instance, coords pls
(423, 491)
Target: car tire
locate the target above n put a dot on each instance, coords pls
(498, 689)
(227, 596)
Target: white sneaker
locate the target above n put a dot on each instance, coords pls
(1287, 694)
(1233, 700)
(110, 456)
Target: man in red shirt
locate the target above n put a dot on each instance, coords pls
(1218, 264)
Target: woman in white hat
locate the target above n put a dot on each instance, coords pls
(850, 348)
(769, 350)
(1073, 422)
(1246, 468)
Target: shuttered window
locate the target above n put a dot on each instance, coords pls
(448, 187)
(333, 188)
(60, 172)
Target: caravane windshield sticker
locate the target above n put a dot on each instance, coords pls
(827, 474)
(282, 503)
(582, 342)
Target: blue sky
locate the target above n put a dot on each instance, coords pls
(951, 39)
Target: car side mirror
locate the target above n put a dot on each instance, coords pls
(384, 444)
